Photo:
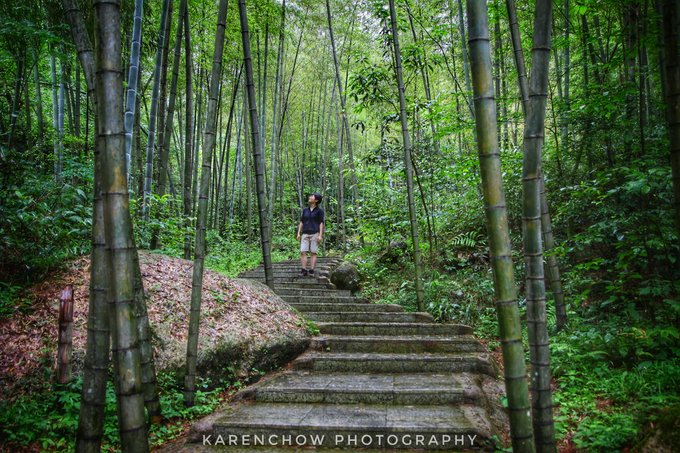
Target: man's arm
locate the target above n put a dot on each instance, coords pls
(299, 231)
(322, 225)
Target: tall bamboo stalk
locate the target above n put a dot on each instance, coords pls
(507, 309)
(553, 269)
(199, 251)
(258, 155)
(118, 225)
(95, 367)
(133, 72)
(169, 120)
(408, 164)
(153, 112)
(188, 136)
(38, 99)
(539, 347)
(274, 141)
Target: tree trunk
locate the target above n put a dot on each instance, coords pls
(531, 222)
(199, 253)
(507, 309)
(546, 223)
(55, 117)
(426, 85)
(274, 141)
(133, 73)
(76, 112)
(408, 164)
(258, 155)
(163, 92)
(95, 367)
(263, 87)
(153, 113)
(65, 342)
(188, 137)
(671, 23)
(466, 64)
(169, 120)
(343, 113)
(38, 100)
(16, 98)
(248, 169)
(118, 226)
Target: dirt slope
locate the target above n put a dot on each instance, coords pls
(236, 314)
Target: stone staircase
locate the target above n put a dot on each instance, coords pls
(376, 378)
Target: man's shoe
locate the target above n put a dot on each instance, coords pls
(303, 273)
(311, 272)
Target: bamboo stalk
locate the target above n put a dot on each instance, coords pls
(507, 309)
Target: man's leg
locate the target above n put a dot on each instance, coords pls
(313, 247)
(303, 260)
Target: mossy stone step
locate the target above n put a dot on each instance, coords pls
(292, 291)
(368, 316)
(441, 427)
(392, 344)
(380, 328)
(346, 307)
(322, 298)
(348, 388)
(350, 362)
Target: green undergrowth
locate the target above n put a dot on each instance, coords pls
(49, 421)
(616, 367)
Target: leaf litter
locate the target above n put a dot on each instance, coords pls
(231, 310)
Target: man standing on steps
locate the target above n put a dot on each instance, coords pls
(311, 228)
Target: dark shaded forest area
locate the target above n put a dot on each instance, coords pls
(512, 167)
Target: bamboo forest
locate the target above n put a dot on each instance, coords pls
(375, 225)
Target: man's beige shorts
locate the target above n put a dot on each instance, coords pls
(309, 243)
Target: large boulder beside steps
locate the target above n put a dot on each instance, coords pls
(394, 252)
(345, 276)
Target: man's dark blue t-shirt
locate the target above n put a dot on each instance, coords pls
(311, 220)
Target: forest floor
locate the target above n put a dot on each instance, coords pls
(232, 311)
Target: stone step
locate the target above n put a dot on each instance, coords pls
(300, 283)
(348, 362)
(282, 273)
(368, 316)
(294, 279)
(343, 388)
(355, 426)
(373, 328)
(297, 264)
(400, 344)
(323, 298)
(331, 307)
(286, 291)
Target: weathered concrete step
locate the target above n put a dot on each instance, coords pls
(400, 344)
(355, 426)
(368, 316)
(280, 273)
(293, 267)
(301, 283)
(348, 362)
(350, 388)
(331, 307)
(322, 298)
(288, 291)
(378, 328)
(294, 279)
